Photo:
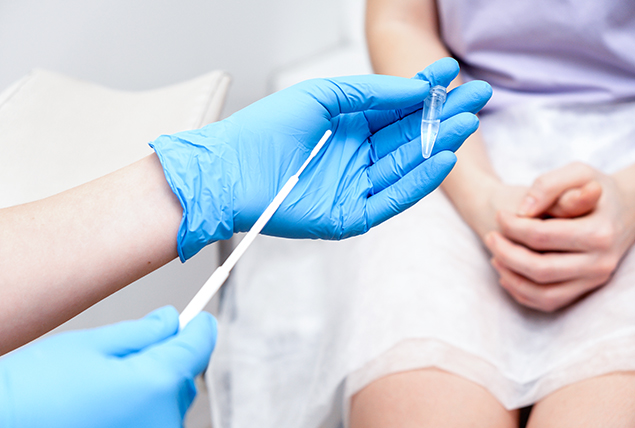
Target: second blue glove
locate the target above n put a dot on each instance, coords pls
(131, 374)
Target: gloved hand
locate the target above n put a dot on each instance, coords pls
(131, 374)
(226, 173)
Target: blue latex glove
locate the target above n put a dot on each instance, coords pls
(131, 374)
(226, 173)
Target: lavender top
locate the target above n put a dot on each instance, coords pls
(549, 51)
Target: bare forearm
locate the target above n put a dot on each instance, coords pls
(60, 255)
(472, 186)
(403, 36)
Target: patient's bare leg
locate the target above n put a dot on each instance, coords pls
(428, 398)
(604, 401)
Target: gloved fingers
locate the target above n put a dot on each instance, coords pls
(379, 119)
(471, 97)
(396, 134)
(126, 337)
(441, 72)
(399, 162)
(191, 348)
(379, 92)
(410, 189)
(359, 93)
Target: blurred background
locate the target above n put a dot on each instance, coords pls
(144, 44)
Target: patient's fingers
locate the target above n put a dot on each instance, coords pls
(554, 234)
(406, 157)
(542, 297)
(577, 202)
(541, 268)
(547, 188)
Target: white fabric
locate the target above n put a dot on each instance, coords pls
(545, 50)
(306, 324)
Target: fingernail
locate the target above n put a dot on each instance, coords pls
(526, 205)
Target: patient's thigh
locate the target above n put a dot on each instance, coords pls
(427, 398)
(604, 401)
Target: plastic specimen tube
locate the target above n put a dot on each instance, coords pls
(220, 275)
(430, 121)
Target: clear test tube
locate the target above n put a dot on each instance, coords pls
(430, 121)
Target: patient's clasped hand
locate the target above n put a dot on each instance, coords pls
(141, 373)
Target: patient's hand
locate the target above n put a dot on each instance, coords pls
(566, 239)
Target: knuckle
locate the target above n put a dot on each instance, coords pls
(604, 268)
(503, 224)
(604, 237)
(540, 184)
(581, 168)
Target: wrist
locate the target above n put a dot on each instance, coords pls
(196, 166)
(475, 201)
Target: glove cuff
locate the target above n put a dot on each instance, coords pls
(195, 166)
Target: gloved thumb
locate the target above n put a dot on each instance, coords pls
(132, 336)
(441, 72)
(358, 93)
(192, 347)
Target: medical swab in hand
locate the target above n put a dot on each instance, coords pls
(430, 121)
(221, 273)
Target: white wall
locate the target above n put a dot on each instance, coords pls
(141, 44)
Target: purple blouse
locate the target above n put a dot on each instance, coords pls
(550, 51)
